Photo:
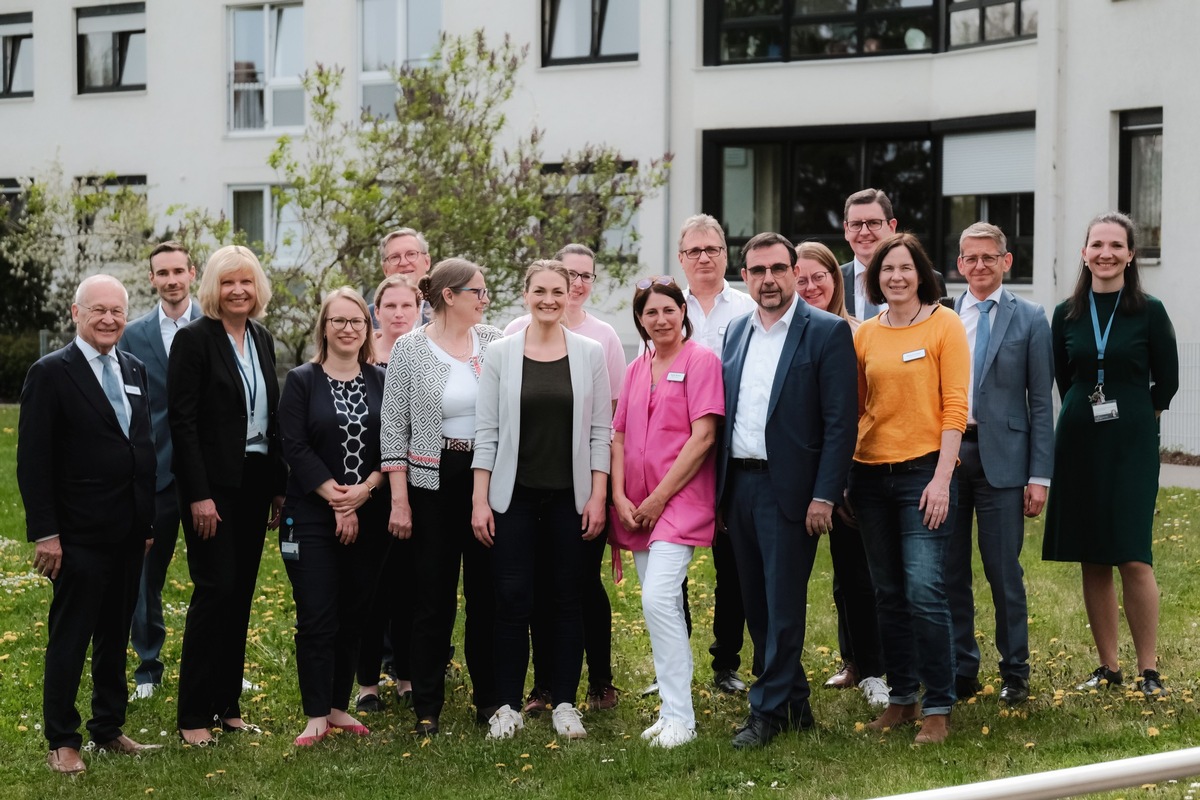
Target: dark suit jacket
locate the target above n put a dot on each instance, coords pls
(848, 286)
(1014, 408)
(812, 427)
(312, 440)
(80, 476)
(143, 338)
(206, 406)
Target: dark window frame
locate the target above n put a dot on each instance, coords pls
(1134, 124)
(550, 25)
(6, 67)
(982, 6)
(119, 38)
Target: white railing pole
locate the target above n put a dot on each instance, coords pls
(1073, 781)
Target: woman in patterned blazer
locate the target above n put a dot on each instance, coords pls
(427, 441)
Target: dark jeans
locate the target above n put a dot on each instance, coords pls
(854, 596)
(224, 570)
(149, 633)
(94, 595)
(538, 522)
(1001, 533)
(442, 538)
(389, 612)
(332, 584)
(907, 563)
(729, 617)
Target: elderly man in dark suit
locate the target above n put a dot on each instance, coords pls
(85, 466)
(149, 337)
(1006, 459)
(781, 466)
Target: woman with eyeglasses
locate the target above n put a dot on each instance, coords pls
(913, 368)
(333, 538)
(580, 262)
(664, 484)
(427, 441)
(819, 282)
(542, 432)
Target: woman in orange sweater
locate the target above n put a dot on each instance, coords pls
(913, 370)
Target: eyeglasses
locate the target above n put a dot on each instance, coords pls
(586, 277)
(777, 271)
(399, 258)
(104, 311)
(987, 261)
(482, 294)
(870, 224)
(694, 253)
(818, 279)
(661, 280)
(340, 323)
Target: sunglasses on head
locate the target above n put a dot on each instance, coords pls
(661, 280)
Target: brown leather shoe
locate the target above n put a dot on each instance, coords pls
(126, 746)
(846, 678)
(934, 730)
(65, 760)
(895, 715)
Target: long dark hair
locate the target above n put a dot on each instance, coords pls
(1133, 298)
(642, 296)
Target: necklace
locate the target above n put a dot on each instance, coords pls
(456, 356)
(910, 322)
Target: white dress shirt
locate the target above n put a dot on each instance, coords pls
(168, 327)
(93, 359)
(709, 329)
(860, 291)
(758, 377)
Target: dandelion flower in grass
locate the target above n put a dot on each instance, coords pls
(985, 730)
(1152, 731)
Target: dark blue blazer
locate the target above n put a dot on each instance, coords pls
(312, 442)
(812, 415)
(143, 338)
(80, 476)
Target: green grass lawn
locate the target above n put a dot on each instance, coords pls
(1057, 728)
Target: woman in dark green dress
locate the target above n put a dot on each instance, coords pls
(1101, 508)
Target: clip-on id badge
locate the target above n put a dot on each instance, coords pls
(290, 550)
(1103, 409)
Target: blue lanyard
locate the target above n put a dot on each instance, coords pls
(1102, 341)
(252, 381)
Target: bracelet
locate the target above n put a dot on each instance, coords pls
(370, 488)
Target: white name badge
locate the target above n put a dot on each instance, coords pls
(1105, 411)
(721, 329)
(913, 355)
(675, 377)
(136, 391)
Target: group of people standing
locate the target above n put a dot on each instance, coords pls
(419, 441)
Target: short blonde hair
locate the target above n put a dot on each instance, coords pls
(366, 353)
(229, 259)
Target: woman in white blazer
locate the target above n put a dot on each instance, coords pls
(542, 428)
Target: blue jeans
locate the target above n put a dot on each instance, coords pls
(907, 562)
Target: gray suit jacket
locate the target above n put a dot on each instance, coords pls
(498, 416)
(143, 338)
(1014, 408)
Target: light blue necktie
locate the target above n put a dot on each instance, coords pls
(983, 335)
(112, 390)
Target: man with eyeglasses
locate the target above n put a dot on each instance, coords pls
(782, 463)
(149, 337)
(1006, 458)
(404, 251)
(85, 467)
(711, 305)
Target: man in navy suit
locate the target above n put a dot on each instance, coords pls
(782, 463)
(85, 467)
(1006, 459)
(149, 337)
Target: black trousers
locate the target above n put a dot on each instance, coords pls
(388, 612)
(224, 570)
(332, 585)
(854, 596)
(729, 616)
(442, 538)
(94, 595)
(149, 632)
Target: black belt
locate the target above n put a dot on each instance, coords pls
(920, 462)
(971, 434)
(749, 464)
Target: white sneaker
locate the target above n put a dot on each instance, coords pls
(673, 734)
(143, 691)
(651, 689)
(876, 692)
(247, 686)
(505, 723)
(654, 730)
(568, 722)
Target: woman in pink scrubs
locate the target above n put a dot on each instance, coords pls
(664, 484)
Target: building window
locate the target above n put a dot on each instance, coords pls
(16, 44)
(985, 21)
(268, 226)
(393, 33)
(12, 201)
(268, 58)
(741, 31)
(111, 48)
(1139, 189)
(589, 31)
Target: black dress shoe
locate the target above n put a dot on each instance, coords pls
(427, 726)
(755, 732)
(1014, 691)
(966, 686)
(800, 717)
(368, 704)
(1151, 684)
(1101, 677)
(728, 682)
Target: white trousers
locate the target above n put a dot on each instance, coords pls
(662, 570)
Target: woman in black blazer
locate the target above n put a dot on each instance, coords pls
(222, 396)
(334, 535)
